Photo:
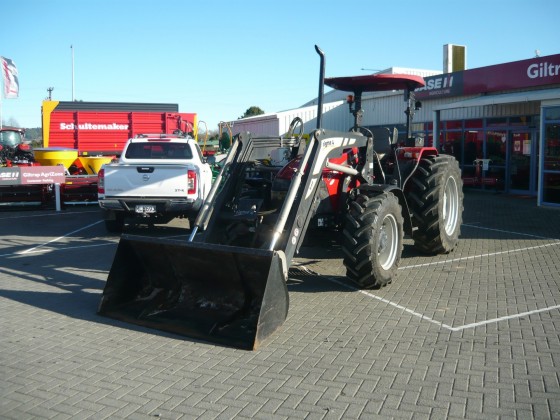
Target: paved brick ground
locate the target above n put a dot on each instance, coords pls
(473, 334)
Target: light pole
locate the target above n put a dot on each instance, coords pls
(72, 48)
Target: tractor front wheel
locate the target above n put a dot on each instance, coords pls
(373, 239)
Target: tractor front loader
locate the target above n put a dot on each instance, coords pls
(227, 283)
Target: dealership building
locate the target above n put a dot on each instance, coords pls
(501, 122)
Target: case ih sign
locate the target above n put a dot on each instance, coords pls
(538, 71)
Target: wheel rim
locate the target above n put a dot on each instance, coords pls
(388, 242)
(450, 206)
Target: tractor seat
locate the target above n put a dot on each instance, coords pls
(383, 141)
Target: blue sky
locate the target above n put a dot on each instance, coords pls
(218, 57)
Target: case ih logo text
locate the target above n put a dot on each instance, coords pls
(438, 85)
(90, 126)
(541, 70)
(9, 175)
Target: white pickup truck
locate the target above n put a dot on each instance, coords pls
(157, 178)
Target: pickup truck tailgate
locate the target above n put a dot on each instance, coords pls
(148, 180)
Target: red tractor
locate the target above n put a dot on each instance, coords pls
(227, 284)
(379, 190)
(13, 150)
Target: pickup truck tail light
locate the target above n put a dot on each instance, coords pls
(191, 182)
(101, 181)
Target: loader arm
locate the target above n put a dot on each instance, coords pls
(301, 199)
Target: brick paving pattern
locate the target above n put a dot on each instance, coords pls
(472, 334)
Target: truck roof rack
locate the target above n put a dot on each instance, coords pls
(161, 136)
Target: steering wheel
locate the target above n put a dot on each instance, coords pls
(365, 131)
(297, 122)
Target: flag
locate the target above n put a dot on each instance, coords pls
(10, 78)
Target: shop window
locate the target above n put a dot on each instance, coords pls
(473, 146)
(496, 145)
(551, 188)
(473, 124)
(552, 147)
(520, 161)
(451, 144)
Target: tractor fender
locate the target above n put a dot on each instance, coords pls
(397, 192)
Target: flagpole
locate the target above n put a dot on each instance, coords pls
(72, 48)
(1, 93)
(1, 90)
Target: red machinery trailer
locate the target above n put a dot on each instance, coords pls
(103, 128)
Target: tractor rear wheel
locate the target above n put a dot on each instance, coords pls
(435, 199)
(373, 239)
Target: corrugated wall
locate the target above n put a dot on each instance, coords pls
(390, 110)
(278, 124)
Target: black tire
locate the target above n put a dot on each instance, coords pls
(435, 200)
(373, 239)
(115, 225)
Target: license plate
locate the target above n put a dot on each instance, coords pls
(145, 208)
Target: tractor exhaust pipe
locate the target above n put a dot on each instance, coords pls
(321, 87)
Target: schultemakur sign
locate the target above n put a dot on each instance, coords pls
(93, 126)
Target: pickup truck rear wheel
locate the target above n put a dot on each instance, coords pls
(116, 224)
(373, 239)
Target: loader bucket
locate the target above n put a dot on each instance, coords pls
(228, 295)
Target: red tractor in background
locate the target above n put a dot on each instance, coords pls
(13, 150)
(15, 153)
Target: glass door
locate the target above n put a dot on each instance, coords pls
(522, 161)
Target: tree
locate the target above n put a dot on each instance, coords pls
(34, 134)
(252, 111)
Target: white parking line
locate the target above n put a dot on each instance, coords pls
(433, 321)
(39, 248)
(504, 318)
(26, 216)
(555, 242)
(472, 257)
(35, 248)
(388, 302)
(505, 231)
